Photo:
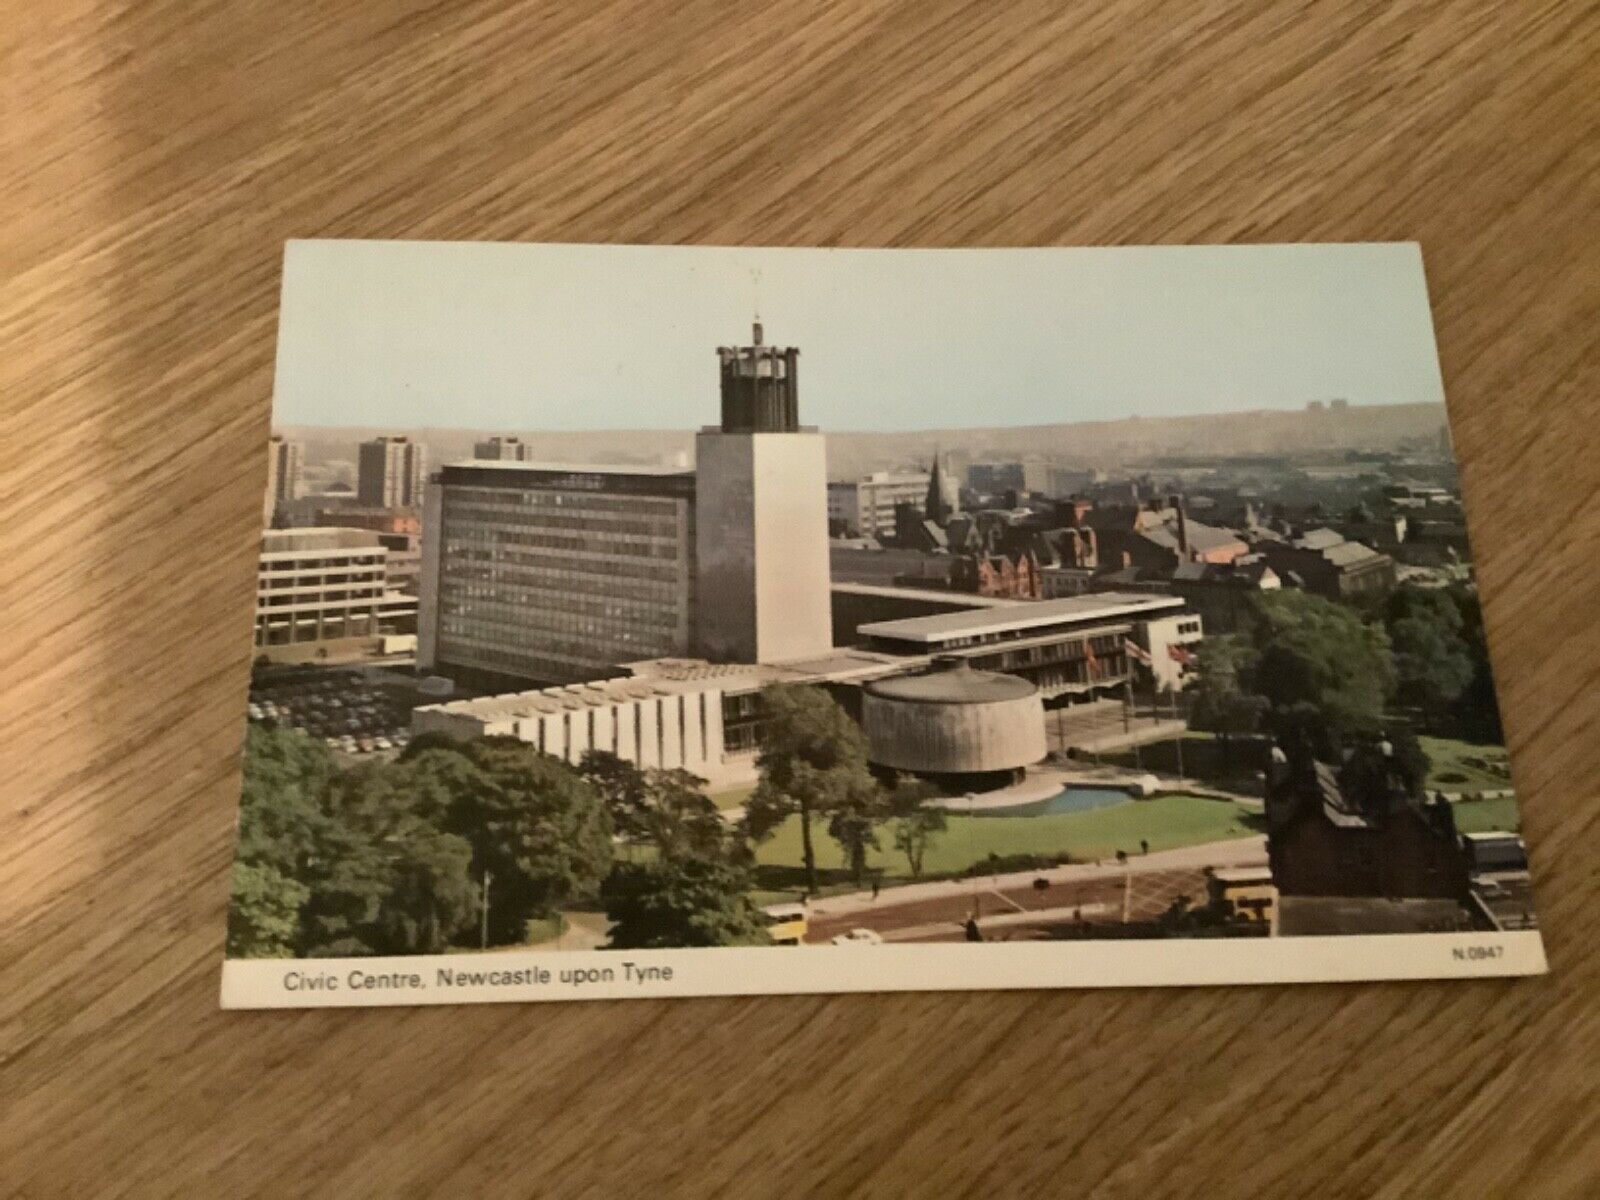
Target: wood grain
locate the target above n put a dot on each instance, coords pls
(155, 158)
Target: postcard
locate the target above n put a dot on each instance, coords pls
(675, 621)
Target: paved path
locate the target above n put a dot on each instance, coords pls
(1232, 852)
(1022, 918)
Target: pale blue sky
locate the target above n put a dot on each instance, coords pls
(528, 337)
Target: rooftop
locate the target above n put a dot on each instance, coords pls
(559, 468)
(652, 677)
(316, 539)
(969, 600)
(1302, 916)
(957, 684)
(1201, 537)
(1031, 614)
(1319, 539)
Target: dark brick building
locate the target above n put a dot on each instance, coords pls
(1359, 831)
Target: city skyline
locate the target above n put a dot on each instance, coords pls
(433, 335)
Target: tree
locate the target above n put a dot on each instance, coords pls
(813, 759)
(1476, 710)
(1221, 704)
(538, 828)
(1313, 655)
(681, 901)
(280, 809)
(1380, 768)
(916, 822)
(680, 819)
(854, 810)
(388, 879)
(622, 788)
(281, 827)
(1433, 663)
(264, 918)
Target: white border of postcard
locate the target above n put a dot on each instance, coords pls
(520, 976)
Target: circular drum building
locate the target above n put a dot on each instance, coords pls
(955, 724)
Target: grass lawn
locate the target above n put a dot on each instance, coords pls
(1204, 760)
(1451, 772)
(1166, 822)
(1486, 816)
(733, 797)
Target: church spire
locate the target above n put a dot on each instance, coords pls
(943, 501)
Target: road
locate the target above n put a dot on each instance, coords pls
(1021, 903)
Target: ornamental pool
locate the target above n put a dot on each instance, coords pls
(1067, 800)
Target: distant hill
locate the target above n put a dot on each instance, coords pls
(1099, 443)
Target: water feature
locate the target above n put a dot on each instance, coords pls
(1069, 799)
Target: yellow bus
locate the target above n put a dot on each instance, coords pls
(786, 924)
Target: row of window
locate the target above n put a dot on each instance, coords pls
(628, 522)
(591, 649)
(503, 499)
(295, 566)
(331, 597)
(610, 615)
(554, 567)
(280, 582)
(573, 543)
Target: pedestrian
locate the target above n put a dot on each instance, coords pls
(1144, 846)
(974, 934)
(877, 882)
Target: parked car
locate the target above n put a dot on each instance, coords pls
(858, 937)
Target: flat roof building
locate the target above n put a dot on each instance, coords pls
(865, 507)
(554, 572)
(1077, 645)
(541, 573)
(391, 472)
(503, 449)
(691, 714)
(285, 466)
(321, 592)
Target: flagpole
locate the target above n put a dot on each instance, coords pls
(1177, 736)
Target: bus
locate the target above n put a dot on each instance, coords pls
(786, 924)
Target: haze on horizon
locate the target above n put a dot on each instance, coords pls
(498, 336)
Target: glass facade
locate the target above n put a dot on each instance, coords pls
(559, 576)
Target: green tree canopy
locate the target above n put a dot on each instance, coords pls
(1434, 662)
(681, 901)
(389, 880)
(665, 808)
(1222, 705)
(623, 789)
(281, 828)
(813, 761)
(264, 918)
(1313, 655)
(680, 820)
(538, 828)
(280, 811)
(916, 823)
(856, 805)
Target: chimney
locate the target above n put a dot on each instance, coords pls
(1183, 530)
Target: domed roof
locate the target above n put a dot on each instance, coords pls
(952, 682)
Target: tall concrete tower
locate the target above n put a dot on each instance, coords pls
(761, 516)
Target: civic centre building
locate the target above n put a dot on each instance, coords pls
(641, 611)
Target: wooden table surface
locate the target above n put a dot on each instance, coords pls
(157, 155)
